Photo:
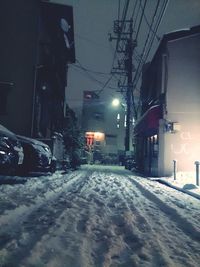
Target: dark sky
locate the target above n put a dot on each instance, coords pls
(93, 20)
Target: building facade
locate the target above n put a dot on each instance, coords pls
(37, 44)
(18, 54)
(103, 125)
(168, 130)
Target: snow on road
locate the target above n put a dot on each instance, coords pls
(97, 216)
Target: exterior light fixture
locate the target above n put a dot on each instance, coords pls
(98, 136)
(115, 102)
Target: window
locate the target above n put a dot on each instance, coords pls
(118, 120)
(125, 120)
(155, 145)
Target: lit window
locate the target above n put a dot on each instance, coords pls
(125, 120)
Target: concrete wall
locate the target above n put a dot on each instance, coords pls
(19, 29)
(183, 103)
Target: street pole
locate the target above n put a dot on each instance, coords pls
(124, 34)
(128, 66)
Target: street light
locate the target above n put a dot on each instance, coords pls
(115, 102)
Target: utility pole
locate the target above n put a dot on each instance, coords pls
(129, 67)
(125, 46)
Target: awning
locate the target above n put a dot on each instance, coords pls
(148, 124)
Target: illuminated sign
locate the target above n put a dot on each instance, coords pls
(94, 136)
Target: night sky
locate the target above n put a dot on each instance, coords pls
(93, 21)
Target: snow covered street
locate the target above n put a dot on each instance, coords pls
(97, 216)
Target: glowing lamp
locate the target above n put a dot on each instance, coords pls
(99, 136)
(115, 102)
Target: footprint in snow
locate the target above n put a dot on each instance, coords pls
(133, 241)
(81, 226)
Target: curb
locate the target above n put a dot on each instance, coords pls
(179, 189)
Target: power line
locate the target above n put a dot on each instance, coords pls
(161, 15)
(92, 78)
(124, 14)
(140, 22)
(105, 84)
(119, 8)
(138, 16)
(89, 70)
(145, 56)
(123, 30)
(90, 40)
(142, 61)
(134, 10)
(145, 18)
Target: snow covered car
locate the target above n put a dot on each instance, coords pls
(37, 156)
(11, 151)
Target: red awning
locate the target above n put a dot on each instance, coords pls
(148, 124)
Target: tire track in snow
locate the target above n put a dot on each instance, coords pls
(80, 229)
(176, 199)
(96, 224)
(34, 222)
(135, 231)
(172, 239)
(159, 258)
(181, 222)
(122, 244)
(104, 220)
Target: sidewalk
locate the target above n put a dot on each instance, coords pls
(185, 182)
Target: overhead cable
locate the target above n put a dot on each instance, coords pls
(163, 9)
(141, 18)
(93, 78)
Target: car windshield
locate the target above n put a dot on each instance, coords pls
(5, 132)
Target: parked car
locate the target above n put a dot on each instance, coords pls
(37, 156)
(11, 151)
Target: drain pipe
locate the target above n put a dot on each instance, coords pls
(197, 163)
(174, 168)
